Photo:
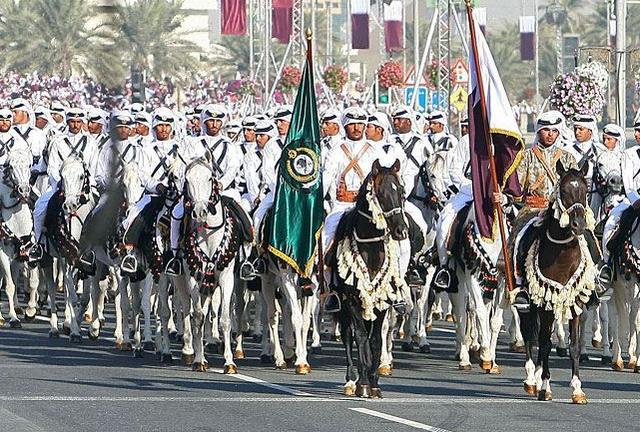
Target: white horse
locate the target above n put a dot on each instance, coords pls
(212, 241)
(16, 232)
(68, 209)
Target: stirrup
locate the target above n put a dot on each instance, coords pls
(36, 253)
(522, 302)
(400, 307)
(248, 271)
(413, 278)
(442, 279)
(605, 274)
(332, 303)
(174, 267)
(88, 258)
(129, 264)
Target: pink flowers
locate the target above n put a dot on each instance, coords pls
(390, 74)
(582, 91)
(290, 79)
(335, 77)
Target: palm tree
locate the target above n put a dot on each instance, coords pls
(57, 38)
(154, 40)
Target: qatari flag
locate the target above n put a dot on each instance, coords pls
(234, 17)
(282, 20)
(393, 31)
(527, 38)
(507, 140)
(360, 24)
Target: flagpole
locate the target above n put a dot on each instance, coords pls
(492, 163)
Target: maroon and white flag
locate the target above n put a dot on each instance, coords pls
(393, 31)
(234, 17)
(282, 20)
(480, 17)
(527, 38)
(500, 122)
(360, 24)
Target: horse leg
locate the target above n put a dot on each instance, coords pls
(199, 363)
(561, 347)
(226, 286)
(516, 343)
(290, 292)
(375, 342)
(544, 342)
(422, 306)
(482, 310)
(622, 329)
(596, 327)
(147, 301)
(241, 305)
(578, 396)
(184, 285)
(529, 325)
(496, 321)
(582, 335)
(287, 327)
(462, 340)
(604, 317)
(163, 343)
(136, 299)
(316, 318)
(634, 310)
(118, 332)
(259, 319)
(125, 304)
(96, 295)
(349, 388)
(72, 305)
(47, 276)
(212, 325)
(361, 332)
(10, 288)
(272, 347)
(33, 281)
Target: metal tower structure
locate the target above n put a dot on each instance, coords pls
(299, 46)
(444, 55)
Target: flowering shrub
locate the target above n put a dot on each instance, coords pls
(390, 74)
(290, 79)
(335, 77)
(242, 87)
(582, 91)
(360, 87)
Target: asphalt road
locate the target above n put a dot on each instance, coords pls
(51, 385)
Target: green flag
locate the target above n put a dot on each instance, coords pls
(298, 210)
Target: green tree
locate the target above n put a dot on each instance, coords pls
(153, 38)
(60, 37)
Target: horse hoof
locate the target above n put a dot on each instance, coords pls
(425, 349)
(198, 367)
(303, 369)
(138, 353)
(606, 360)
(449, 318)
(15, 324)
(238, 355)
(415, 339)
(632, 365)
(544, 395)
(75, 339)
(187, 359)
(495, 370)
(486, 365)
(265, 359)
(281, 366)
(530, 389)
(437, 316)
(30, 318)
(376, 393)
(596, 344)
(407, 347)
(363, 391)
(87, 318)
(349, 390)
(66, 330)
(561, 352)
(230, 369)
(384, 370)
(54, 334)
(515, 348)
(93, 337)
(119, 344)
(336, 338)
(466, 367)
(257, 338)
(148, 346)
(173, 336)
(583, 358)
(579, 399)
(2, 322)
(618, 366)
(127, 347)
(316, 350)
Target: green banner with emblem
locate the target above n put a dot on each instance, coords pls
(298, 211)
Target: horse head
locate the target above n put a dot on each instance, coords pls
(74, 183)
(132, 186)
(387, 198)
(201, 190)
(570, 205)
(18, 173)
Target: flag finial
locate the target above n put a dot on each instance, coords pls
(308, 33)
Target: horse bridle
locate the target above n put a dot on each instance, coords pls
(9, 180)
(214, 199)
(387, 213)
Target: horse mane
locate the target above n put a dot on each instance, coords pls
(199, 161)
(18, 154)
(70, 161)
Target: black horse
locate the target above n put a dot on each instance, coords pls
(366, 268)
(560, 280)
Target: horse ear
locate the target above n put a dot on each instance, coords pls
(584, 168)
(375, 169)
(560, 169)
(396, 166)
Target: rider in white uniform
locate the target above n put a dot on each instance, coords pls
(8, 141)
(24, 129)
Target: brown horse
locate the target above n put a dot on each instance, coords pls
(560, 278)
(366, 268)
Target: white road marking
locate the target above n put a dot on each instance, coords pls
(263, 383)
(411, 423)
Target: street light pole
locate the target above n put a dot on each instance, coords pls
(621, 70)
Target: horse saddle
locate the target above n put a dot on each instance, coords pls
(240, 216)
(454, 239)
